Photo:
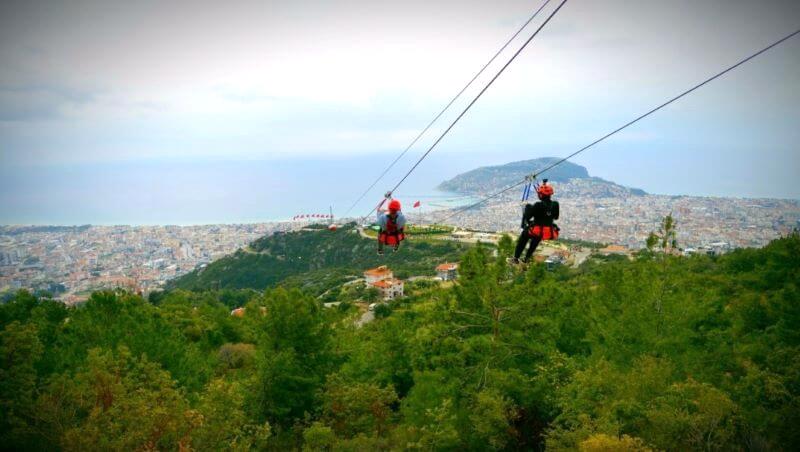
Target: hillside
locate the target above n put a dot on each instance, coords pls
(315, 260)
(657, 353)
(573, 178)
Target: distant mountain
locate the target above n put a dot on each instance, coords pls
(575, 178)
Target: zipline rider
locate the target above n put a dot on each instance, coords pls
(537, 222)
(392, 224)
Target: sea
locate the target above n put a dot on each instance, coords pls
(194, 192)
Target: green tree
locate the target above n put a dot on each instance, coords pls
(491, 417)
(295, 357)
(224, 423)
(20, 350)
(118, 402)
(693, 416)
(351, 407)
(318, 437)
(606, 443)
(666, 237)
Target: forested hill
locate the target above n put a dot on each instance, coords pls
(660, 353)
(315, 260)
(493, 178)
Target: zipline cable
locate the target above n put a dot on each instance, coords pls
(496, 76)
(446, 107)
(628, 124)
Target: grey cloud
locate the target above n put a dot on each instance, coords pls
(38, 101)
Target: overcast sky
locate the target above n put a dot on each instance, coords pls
(107, 81)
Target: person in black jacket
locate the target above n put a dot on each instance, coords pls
(537, 223)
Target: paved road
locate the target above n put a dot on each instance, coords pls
(365, 318)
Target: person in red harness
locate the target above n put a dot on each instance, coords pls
(537, 222)
(392, 224)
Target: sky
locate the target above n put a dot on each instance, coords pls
(93, 83)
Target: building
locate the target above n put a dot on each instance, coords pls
(461, 235)
(383, 279)
(374, 275)
(718, 248)
(714, 249)
(553, 261)
(447, 271)
(613, 249)
(389, 288)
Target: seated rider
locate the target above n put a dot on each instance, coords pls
(537, 222)
(392, 224)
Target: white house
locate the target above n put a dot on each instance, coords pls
(447, 271)
(389, 288)
(383, 279)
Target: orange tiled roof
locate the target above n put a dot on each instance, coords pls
(379, 271)
(387, 283)
(446, 267)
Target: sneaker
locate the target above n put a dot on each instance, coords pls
(513, 261)
(380, 252)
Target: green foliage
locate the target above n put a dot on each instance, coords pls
(224, 421)
(659, 353)
(382, 310)
(295, 357)
(315, 261)
(20, 349)
(236, 356)
(666, 237)
(120, 402)
(606, 443)
(693, 416)
(351, 407)
(318, 437)
(490, 417)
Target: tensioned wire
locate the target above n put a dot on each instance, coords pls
(475, 99)
(535, 174)
(446, 107)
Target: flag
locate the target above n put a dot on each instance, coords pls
(417, 204)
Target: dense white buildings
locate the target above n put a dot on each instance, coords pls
(71, 262)
(701, 221)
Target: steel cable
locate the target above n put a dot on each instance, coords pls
(626, 125)
(446, 107)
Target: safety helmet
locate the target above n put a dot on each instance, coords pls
(394, 205)
(545, 190)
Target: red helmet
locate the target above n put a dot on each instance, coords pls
(545, 190)
(394, 205)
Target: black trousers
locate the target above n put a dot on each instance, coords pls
(522, 241)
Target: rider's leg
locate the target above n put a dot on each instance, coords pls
(521, 242)
(534, 243)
